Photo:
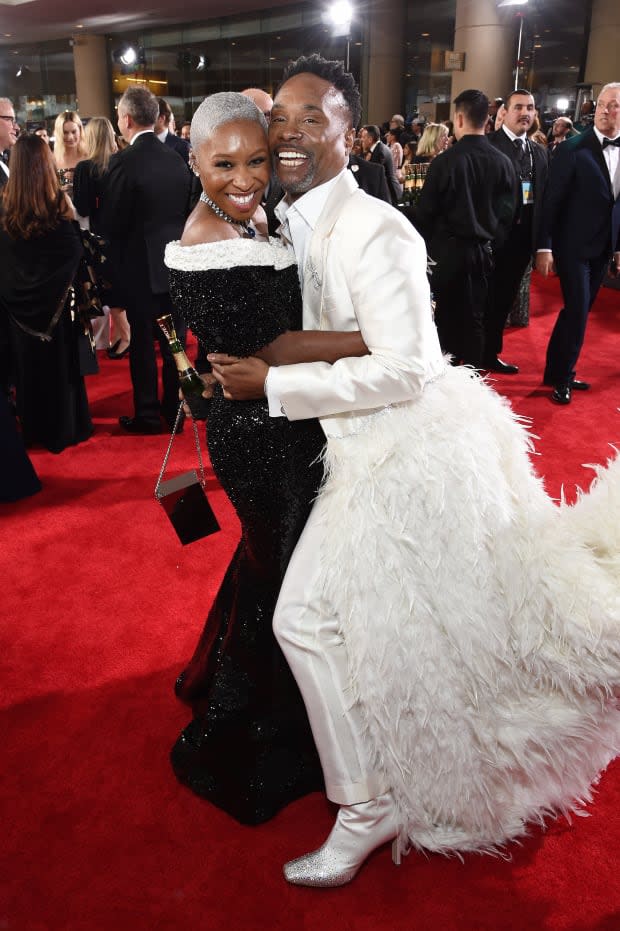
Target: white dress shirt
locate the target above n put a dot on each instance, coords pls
(297, 223)
(141, 133)
(522, 138)
(611, 154)
(299, 219)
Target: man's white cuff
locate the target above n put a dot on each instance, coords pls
(271, 391)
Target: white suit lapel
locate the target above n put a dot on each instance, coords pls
(316, 262)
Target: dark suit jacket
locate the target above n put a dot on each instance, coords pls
(381, 155)
(179, 145)
(146, 202)
(504, 143)
(4, 326)
(275, 194)
(468, 197)
(580, 217)
(370, 177)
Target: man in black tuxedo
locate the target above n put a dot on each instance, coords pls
(580, 222)
(145, 206)
(511, 259)
(466, 205)
(379, 152)
(8, 136)
(370, 177)
(162, 131)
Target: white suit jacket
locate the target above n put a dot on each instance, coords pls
(366, 270)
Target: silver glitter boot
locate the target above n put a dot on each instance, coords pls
(359, 829)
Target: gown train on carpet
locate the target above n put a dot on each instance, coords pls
(482, 620)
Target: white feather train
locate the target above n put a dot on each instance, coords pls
(482, 621)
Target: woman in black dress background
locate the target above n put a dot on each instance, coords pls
(89, 182)
(249, 748)
(40, 248)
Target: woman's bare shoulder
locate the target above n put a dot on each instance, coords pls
(203, 226)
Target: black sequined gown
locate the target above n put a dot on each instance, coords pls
(249, 748)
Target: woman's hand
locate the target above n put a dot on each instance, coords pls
(241, 379)
(209, 382)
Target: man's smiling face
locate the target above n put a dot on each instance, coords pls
(310, 133)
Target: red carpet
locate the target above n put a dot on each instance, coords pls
(101, 606)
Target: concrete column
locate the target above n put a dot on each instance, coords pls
(384, 74)
(603, 62)
(488, 37)
(92, 76)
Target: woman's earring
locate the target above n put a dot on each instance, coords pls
(193, 164)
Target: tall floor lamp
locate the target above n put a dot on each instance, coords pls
(501, 5)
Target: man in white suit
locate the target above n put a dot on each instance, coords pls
(362, 267)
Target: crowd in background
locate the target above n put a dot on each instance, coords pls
(66, 179)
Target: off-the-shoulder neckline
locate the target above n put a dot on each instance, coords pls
(228, 253)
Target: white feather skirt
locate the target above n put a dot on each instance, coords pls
(482, 621)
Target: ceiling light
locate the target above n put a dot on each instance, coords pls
(340, 13)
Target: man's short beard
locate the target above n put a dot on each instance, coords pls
(302, 185)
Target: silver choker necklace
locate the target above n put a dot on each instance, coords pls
(244, 225)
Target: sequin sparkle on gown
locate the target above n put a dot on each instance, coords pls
(249, 747)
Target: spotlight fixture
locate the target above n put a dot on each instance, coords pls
(128, 56)
(191, 61)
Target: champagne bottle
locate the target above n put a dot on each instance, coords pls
(408, 186)
(189, 379)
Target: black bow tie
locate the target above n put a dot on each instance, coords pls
(615, 142)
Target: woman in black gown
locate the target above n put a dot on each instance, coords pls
(40, 248)
(249, 748)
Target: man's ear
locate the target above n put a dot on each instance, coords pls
(349, 138)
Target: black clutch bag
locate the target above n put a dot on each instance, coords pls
(184, 498)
